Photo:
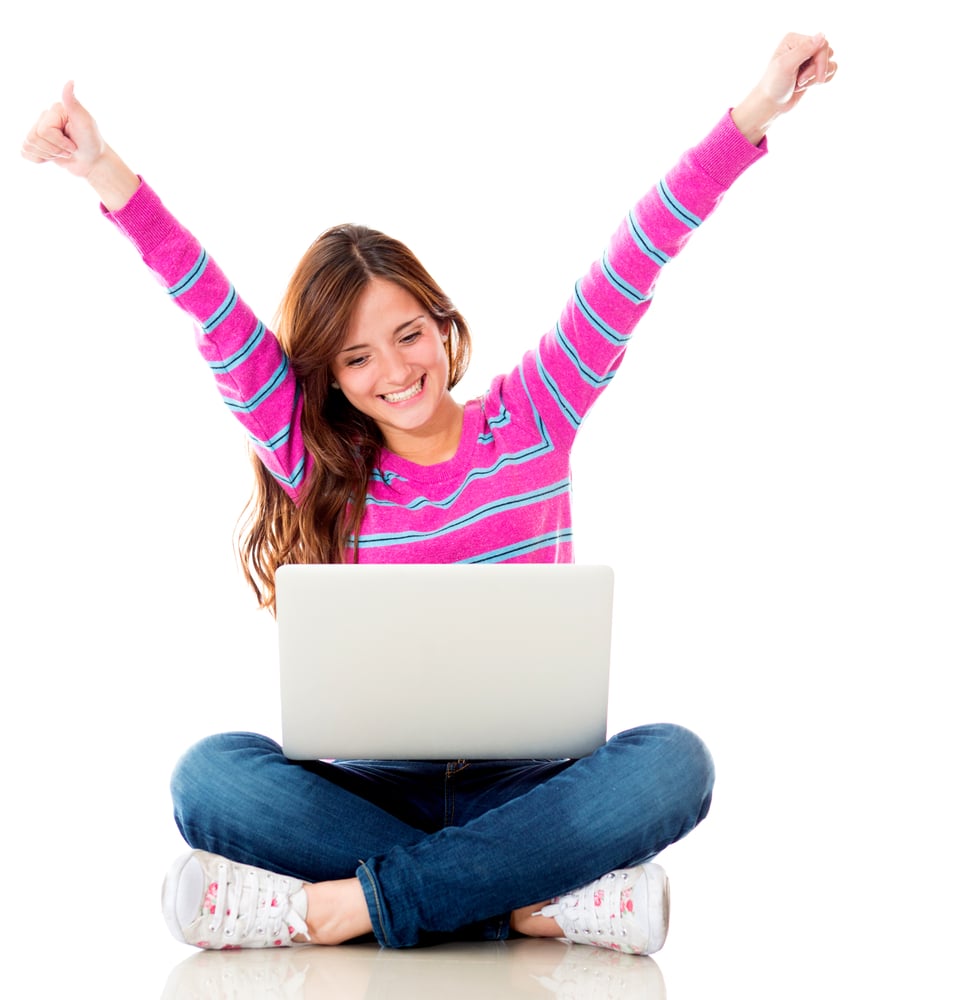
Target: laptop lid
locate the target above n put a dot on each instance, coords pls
(404, 662)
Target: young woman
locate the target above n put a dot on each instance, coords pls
(362, 454)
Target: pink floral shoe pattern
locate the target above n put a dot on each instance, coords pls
(211, 902)
(625, 910)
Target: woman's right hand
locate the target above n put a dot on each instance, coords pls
(67, 135)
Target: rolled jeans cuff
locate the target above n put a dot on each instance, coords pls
(493, 929)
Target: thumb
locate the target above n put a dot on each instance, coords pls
(78, 121)
(69, 99)
(79, 127)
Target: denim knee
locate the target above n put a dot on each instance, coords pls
(696, 769)
(208, 773)
(683, 772)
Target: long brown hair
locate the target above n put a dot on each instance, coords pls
(312, 323)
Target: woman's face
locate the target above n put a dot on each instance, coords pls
(393, 367)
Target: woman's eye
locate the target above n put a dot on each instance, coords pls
(355, 362)
(411, 337)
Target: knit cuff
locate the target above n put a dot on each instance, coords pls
(725, 153)
(144, 220)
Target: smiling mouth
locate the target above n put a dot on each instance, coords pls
(403, 397)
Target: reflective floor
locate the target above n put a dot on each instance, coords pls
(521, 968)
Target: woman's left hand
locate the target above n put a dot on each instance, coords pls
(799, 62)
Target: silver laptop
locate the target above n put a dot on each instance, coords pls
(406, 662)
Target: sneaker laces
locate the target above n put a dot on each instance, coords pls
(253, 903)
(597, 909)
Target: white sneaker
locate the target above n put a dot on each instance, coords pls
(211, 902)
(625, 910)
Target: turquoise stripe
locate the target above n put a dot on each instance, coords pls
(621, 285)
(523, 548)
(572, 417)
(594, 319)
(274, 442)
(502, 418)
(586, 373)
(644, 242)
(270, 386)
(184, 284)
(295, 479)
(475, 516)
(228, 364)
(228, 304)
(679, 210)
(386, 477)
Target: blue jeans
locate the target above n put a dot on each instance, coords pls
(444, 850)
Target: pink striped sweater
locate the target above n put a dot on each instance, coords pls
(505, 495)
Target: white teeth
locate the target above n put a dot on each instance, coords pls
(400, 397)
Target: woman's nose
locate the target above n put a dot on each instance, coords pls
(395, 368)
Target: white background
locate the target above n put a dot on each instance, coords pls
(770, 474)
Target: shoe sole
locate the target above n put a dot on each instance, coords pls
(170, 890)
(656, 902)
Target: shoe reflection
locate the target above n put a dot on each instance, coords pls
(519, 968)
